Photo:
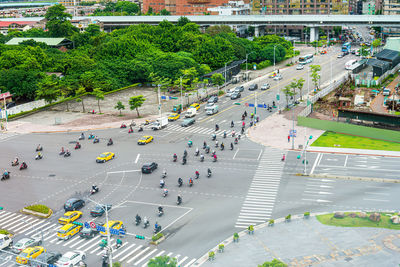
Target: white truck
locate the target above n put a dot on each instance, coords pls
(191, 112)
(210, 110)
(5, 241)
(160, 123)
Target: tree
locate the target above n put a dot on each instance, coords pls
(300, 83)
(48, 89)
(273, 263)
(288, 93)
(293, 85)
(58, 23)
(218, 29)
(93, 29)
(80, 92)
(99, 96)
(162, 261)
(165, 12)
(182, 21)
(315, 74)
(120, 107)
(376, 43)
(136, 102)
(217, 79)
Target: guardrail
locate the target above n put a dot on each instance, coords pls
(307, 111)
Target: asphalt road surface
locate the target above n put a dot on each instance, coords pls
(249, 184)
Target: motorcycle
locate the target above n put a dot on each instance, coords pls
(77, 146)
(123, 125)
(215, 159)
(232, 124)
(197, 175)
(160, 213)
(164, 175)
(183, 161)
(94, 191)
(130, 130)
(224, 134)
(190, 143)
(190, 183)
(162, 185)
(213, 137)
(140, 129)
(180, 183)
(146, 223)
(236, 141)
(283, 158)
(110, 143)
(96, 140)
(208, 174)
(207, 150)
(67, 154)
(39, 149)
(81, 137)
(202, 158)
(175, 158)
(23, 166)
(138, 220)
(91, 136)
(165, 193)
(104, 260)
(222, 147)
(157, 229)
(179, 201)
(231, 146)
(197, 153)
(38, 157)
(147, 122)
(14, 163)
(5, 177)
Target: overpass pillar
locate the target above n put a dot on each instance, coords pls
(314, 34)
(256, 31)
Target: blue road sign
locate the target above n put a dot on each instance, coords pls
(163, 97)
(251, 105)
(87, 225)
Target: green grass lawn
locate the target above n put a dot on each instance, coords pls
(385, 222)
(332, 139)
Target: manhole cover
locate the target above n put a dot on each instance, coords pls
(52, 175)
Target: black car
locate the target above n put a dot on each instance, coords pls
(99, 210)
(239, 88)
(50, 257)
(10, 105)
(149, 167)
(74, 204)
(187, 122)
(235, 95)
(213, 99)
(253, 87)
(88, 232)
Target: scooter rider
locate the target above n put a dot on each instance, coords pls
(180, 181)
(162, 183)
(179, 199)
(165, 192)
(138, 219)
(231, 146)
(216, 143)
(6, 173)
(160, 210)
(232, 124)
(110, 141)
(215, 157)
(15, 161)
(197, 174)
(175, 157)
(222, 146)
(145, 221)
(209, 171)
(216, 127)
(224, 134)
(95, 188)
(197, 151)
(164, 173)
(190, 181)
(202, 157)
(119, 243)
(204, 144)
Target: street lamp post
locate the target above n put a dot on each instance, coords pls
(225, 74)
(159, 100)
(247, 55)
(274, 59)
(181, 93)
(104, 207)
(5, 111)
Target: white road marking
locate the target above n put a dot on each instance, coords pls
(380, 200)
(345, 162)
(125, 250)
(137, 158)
(190, 263)
(375, 193)
(140, 253)
(145, 256)
(235, 153)
(317, 200)
(315, 163)
(130, 253)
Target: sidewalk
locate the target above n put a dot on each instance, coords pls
(307, 242)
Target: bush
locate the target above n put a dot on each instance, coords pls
(306, 214)
(116, 264)
(270, 222)
(221, 246)
(157, 236)
(235, 235)
(4, 232)
(38, 208)
(263, 64)
(220, 92)
(288, 217)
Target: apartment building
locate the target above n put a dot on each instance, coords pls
(391, 7)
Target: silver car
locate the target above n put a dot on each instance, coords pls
(265, 86)
(25, 243)
(278, 77)
(300, 67)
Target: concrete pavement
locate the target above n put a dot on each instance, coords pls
(311, 243)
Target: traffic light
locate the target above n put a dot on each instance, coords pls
(1, 208)
(237, 103)
(139, 237)
(298, 156)
(78, 223)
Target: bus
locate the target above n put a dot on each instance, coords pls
(349, 64)
(346, 47)
(306, 59)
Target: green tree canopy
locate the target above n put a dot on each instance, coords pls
(58, 22)
(135, 102)
(162, 261)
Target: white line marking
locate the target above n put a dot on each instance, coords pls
(140, 253)
(345, 162)
(371, 199)
(375, 193)
(130, 253)
(315, 163)
(235, 153)
(125, 250)
(259, 155)
(124, 171)
(190, 263)
(137, 158)
(145, 256)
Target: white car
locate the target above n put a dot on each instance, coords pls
(71, 258)
(209, 105)
(265, 86)
(278, 77)
(230, 92)
(300, 67)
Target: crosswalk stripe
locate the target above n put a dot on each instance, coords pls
(27, 221)
(91, 241)
(130, 253)
(54, 240)
(190, 263)
(252, 220)
(140, 253)
(144, 257)
(99, 248)
(122, 252)
(32, 226)
(8, 218)
(169, 254)
(77, 243)
(71, 240)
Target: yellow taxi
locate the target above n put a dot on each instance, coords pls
(145, 140)
(173, 117)
(29, 253)
(70, 216)
(273, 74)
(106, 156)
(116, 225)
(195, 105)
(68, 231)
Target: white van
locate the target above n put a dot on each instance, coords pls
(212, 110)
(191, 112)
(349, 64)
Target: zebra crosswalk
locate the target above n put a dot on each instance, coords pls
(130, 254)
(197, 130)
(4, 136)
(260, 199)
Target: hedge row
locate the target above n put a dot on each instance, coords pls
(157, 236)
(4, 232)
(38, 208)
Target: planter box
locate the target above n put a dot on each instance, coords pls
(157, 241)
(37, 214)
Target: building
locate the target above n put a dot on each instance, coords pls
(59, 43)
(5, 26)
(231, 8)
(368, 7)
(68, 3)
(390, 56)
(391, 7)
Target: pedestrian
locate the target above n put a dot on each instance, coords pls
(278, 71)
(288, 138)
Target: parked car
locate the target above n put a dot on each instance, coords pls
(236, 95)
(149, 167)
(74, 204)
(253, 87)
(10, 105)
(24, 243)
(278, 77)
(228, 94)
(187, 122)
(300, 67)
(213, 99)
(265, 86)
(99, 210)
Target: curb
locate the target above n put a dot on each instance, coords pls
(229, 240)
(354, 178)
(348, 153)
(76, 130)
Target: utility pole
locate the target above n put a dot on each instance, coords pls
(225, 74)
(255, 103)
(293, 134)
(5, 111)
(181, 94)
(159, 100)
(274, 59)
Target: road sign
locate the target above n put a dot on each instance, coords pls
(237, 103)
(251, 105)
(292, 131)
(246, 104)
(173, 97)
(100, 228)
(86, 224)
(92, 225)
(292, 135)
(163, 97)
